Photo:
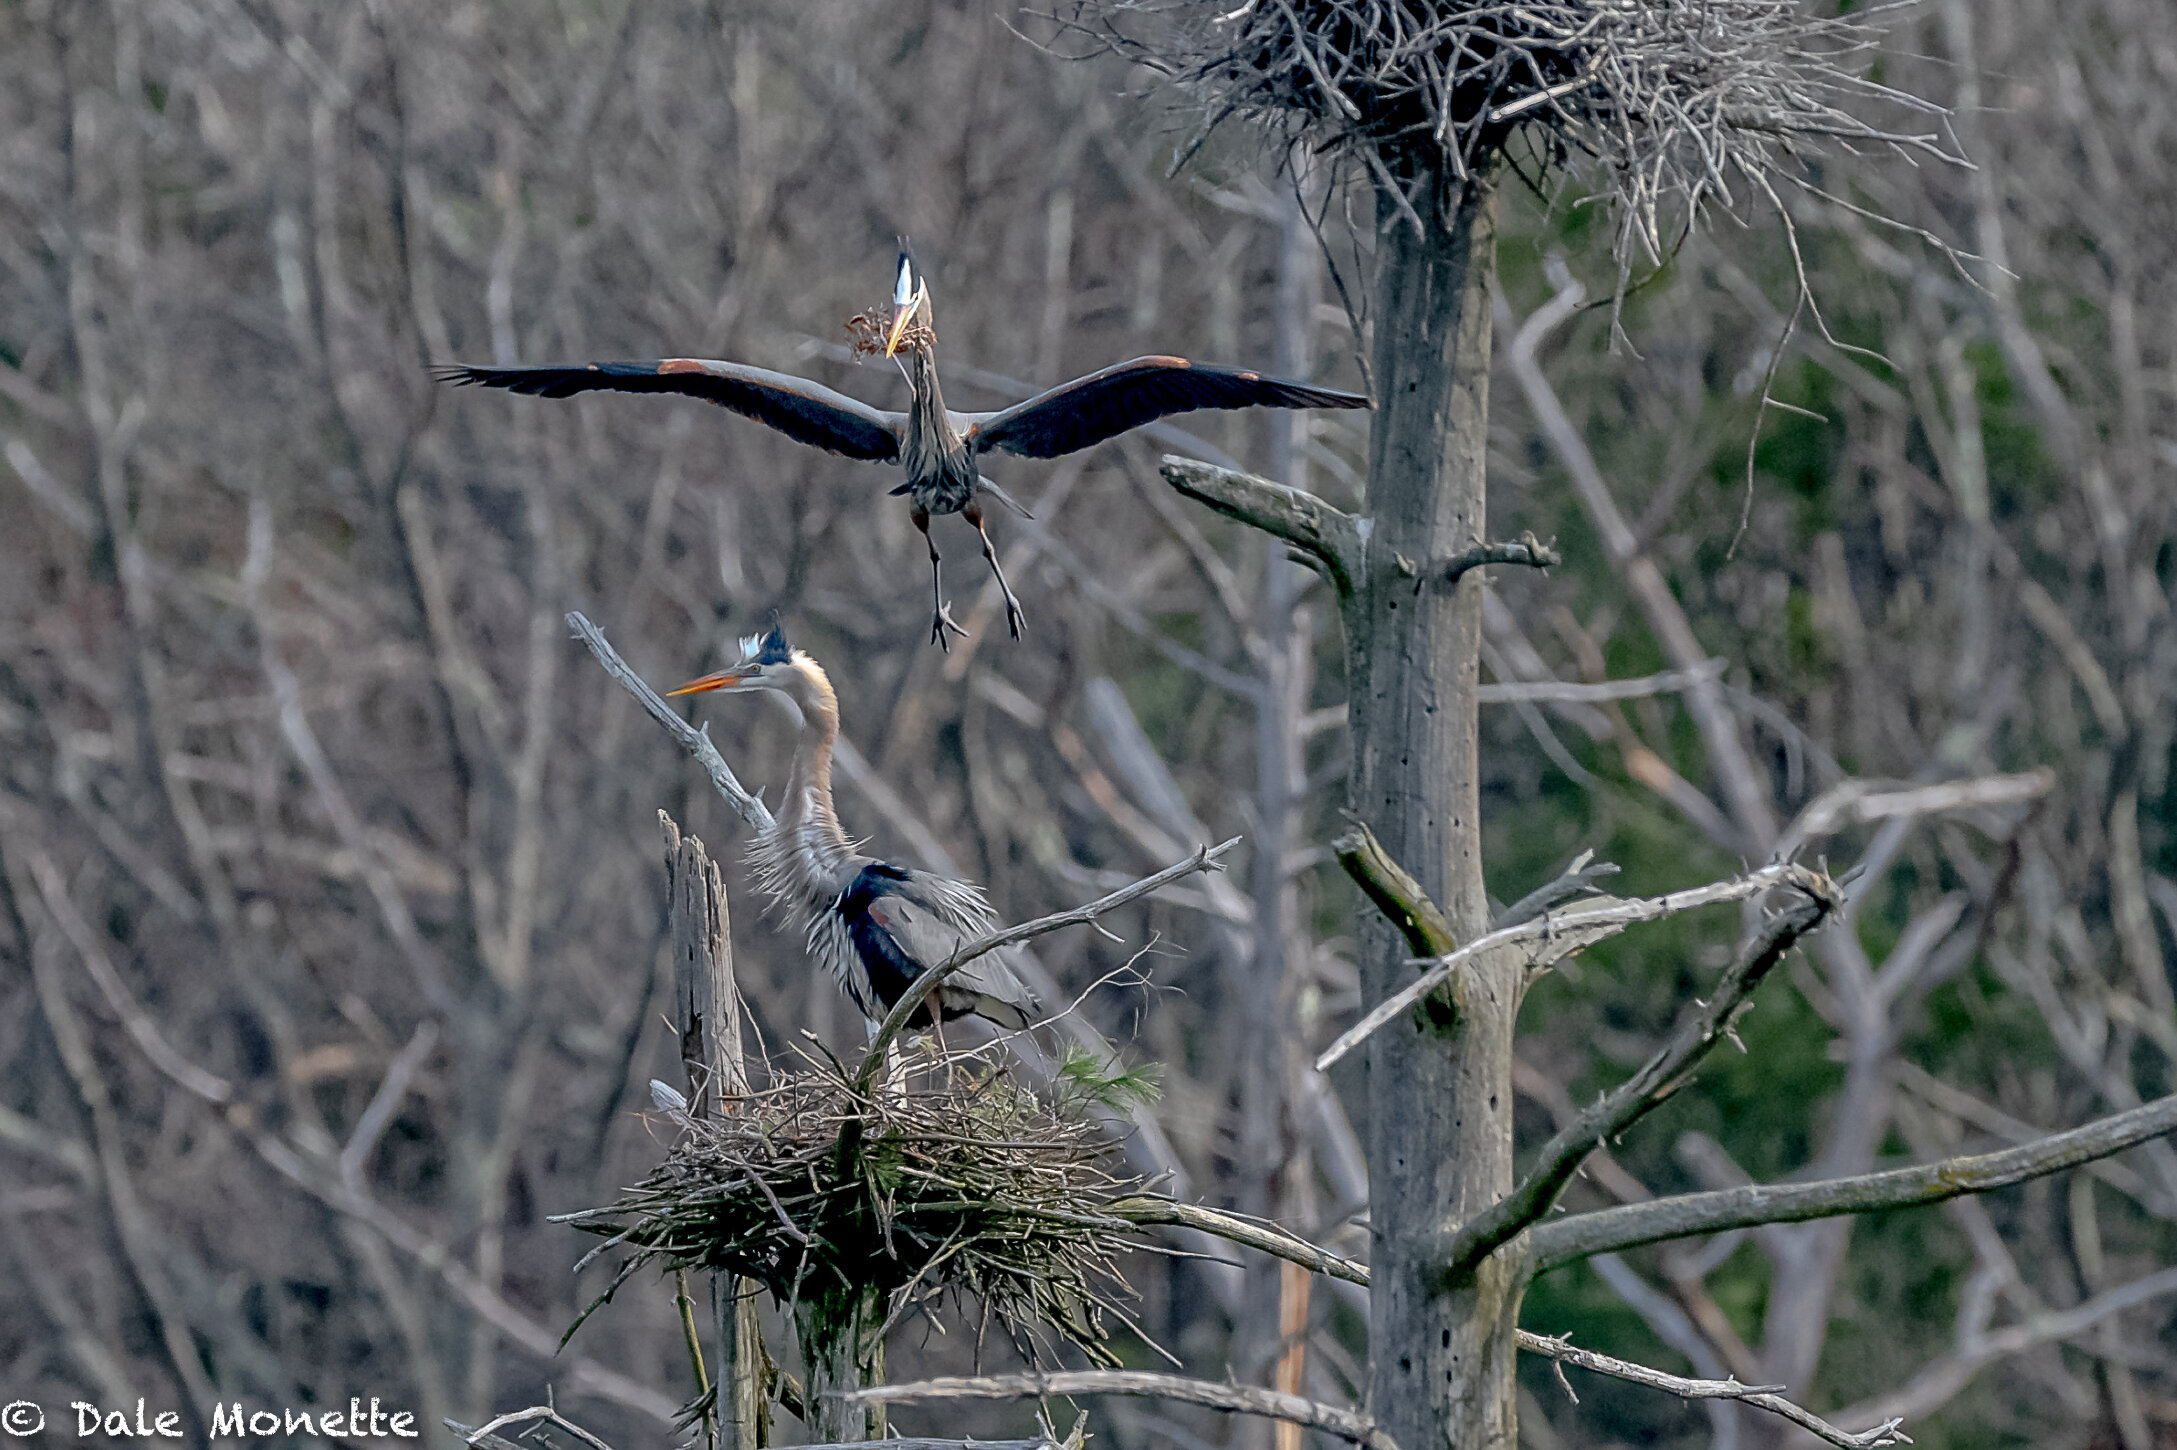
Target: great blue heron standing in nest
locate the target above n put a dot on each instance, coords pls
(875, 925)
(937, 447)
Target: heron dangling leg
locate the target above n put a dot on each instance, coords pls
(1014, 619)
(940, 611)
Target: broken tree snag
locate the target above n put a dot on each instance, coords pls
(1395, 893)
(707, 1011)
(706, 1007)
(1328, 537)
(1526, 549)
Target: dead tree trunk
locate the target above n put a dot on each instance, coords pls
(1440, 1081)
(707, 1009)
(1439, 1084)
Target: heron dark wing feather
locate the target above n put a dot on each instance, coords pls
(1126, 395)
(804, 411)
(930, 935)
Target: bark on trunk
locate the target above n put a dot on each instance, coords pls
(1439, 1084)
(839, 1354)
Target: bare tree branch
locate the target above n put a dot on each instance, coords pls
(1553, 937)
(1233, 1399)
(1855, 802)
(1941, 1380)
(1248, 1233)
(1271, 1239)
(1761, 1397)
(1327, 534)
(1527, 550)
(1646, 1089)
(53, 891)
(1577, 879)
(696, 742)
(1570, 692)
(1627, 1226)
(1395, 893)
(1565, 692)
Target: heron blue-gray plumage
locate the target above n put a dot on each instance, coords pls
(875, 925)
(938, 449)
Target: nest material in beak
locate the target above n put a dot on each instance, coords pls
(871, 331)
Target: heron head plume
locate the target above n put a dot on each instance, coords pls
(765, 662)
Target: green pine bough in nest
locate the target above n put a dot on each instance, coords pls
(953, 1181)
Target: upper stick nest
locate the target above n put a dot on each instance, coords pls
(1680, 101)
(957, 1181)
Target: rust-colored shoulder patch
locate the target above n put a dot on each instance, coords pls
(680, 365)
(1250, 377)
(1168, 362)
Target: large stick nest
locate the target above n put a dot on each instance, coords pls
(956, 1182)
(1682, 102)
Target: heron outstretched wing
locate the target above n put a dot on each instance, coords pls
(1126, 395)
(804, 411)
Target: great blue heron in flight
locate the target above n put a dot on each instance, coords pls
(877, 926)
(936, 446)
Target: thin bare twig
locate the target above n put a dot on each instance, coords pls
(486, 1433)
(1234, 1399)
(1940, 1380)
(1577, 879)
(146, 1034)
(385, 1102)
(1743, 787)
(485, 1436)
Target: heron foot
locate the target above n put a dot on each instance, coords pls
(942, 621)
(1014, 619)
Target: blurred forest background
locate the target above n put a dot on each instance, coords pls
(330, 915)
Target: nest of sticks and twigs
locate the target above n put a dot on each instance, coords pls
(952, 1181)
(1680, 101)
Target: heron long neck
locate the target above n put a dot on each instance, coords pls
(929, 429)
(804, 859)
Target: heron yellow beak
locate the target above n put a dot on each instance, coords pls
(723, 680)
(901, 318)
